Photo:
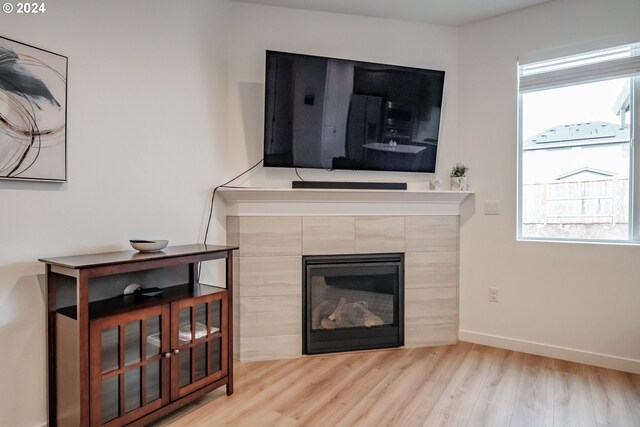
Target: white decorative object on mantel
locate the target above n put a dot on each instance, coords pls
(435, 184)
(458, 177)
(459, 183)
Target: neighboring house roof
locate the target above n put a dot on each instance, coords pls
(586, 174)
(578, 134)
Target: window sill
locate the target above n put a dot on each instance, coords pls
(579, 241)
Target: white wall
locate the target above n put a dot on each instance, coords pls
(147, 91)
(258, 28)
(581, 297)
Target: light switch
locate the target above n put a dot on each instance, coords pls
(492, 207)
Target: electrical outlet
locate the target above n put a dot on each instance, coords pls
(493, 294)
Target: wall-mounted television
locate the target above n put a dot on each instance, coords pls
(340, 114)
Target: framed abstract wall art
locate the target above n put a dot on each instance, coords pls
(33, 113)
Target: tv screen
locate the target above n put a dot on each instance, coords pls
(339, 114)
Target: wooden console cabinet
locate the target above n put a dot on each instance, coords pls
(118, 360)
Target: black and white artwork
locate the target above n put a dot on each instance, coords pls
(33, 98)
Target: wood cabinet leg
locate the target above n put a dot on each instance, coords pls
(51, 346)
(229, 285)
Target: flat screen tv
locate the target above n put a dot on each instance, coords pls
(339, 114)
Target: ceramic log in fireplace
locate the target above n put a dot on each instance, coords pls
(352, 302)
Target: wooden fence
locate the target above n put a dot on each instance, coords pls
(577, 202)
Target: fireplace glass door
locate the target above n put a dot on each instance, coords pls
(352, 302)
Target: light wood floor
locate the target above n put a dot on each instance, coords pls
(459, 385)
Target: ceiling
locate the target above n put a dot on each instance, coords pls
(439, 12)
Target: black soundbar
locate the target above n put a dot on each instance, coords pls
(340, 185)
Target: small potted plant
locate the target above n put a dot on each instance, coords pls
(458, 177)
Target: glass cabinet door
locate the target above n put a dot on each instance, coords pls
(201, 344)
(128, 360)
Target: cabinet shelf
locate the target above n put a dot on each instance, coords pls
(125, 303)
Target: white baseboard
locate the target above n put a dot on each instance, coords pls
(570, 354)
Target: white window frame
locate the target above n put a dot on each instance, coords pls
(605, 64)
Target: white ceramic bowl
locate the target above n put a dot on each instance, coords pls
(149, 245)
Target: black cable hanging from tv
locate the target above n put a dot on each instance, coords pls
(213, 197)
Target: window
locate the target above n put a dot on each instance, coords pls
(579, 156)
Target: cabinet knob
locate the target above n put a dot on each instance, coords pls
(167, 354)
(176, 351)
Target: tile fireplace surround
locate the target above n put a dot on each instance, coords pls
(275, 228)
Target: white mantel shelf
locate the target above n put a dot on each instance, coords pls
(256, 201)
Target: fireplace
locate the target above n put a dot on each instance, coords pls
(352, 302)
